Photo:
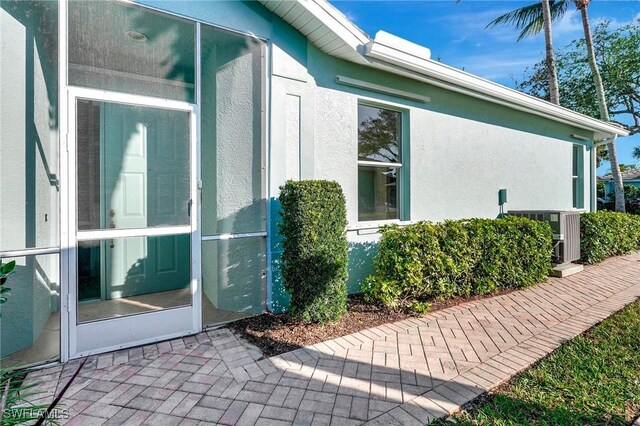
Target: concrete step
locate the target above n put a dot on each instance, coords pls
(566, 269)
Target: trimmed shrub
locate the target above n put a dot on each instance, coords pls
(605, 234)
(428, 260)
(631, 201)
(315, 257)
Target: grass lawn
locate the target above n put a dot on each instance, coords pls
(592, 380)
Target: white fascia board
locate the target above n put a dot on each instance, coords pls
(412, 60)
(335, 22)
(489, 90)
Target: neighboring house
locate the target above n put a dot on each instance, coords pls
(143, 147)
(629, 177)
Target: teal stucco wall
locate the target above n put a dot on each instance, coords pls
(609, 188)
(460, 150)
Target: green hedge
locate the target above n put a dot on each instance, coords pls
(605, 234)
(428, 260)
(315, 257)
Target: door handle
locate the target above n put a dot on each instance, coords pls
(112, 244)
(189, 203)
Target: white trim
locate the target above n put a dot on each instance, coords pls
(129, 99)
(106, 234)
(379, 164)
(375, 224)
(196, 192)
(223, 237)
(65, 255)
(359, 84)
(402, 178)
(267, 105)
(450, 78)
(580, 137)
(190, 19)
(81, 340)
(349, 36)
(29, 252)
(72, 165)
(399, 56)
(131, 76)
(117, 333)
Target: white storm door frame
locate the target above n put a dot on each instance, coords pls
(116, 333)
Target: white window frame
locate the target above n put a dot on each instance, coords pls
(402, 179)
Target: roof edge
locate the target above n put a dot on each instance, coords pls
(387, 49)
(382, 51)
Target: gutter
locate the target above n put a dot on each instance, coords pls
(402, 57)
(399, 60)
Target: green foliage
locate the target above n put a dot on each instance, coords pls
(631, 200)
(528, 19)
(379, 136)
(600, 191)
(14, 400)
(592, 380)
(428, 260)
(617, 53)
(605, 234)
(315, 257)
(6, 269)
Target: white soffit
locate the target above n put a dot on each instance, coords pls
(329, 30)
(323, 25)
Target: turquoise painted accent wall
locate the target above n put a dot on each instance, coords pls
(609, 188)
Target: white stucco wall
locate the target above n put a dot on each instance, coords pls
(29, 203)
(460, 150)
(28, 138)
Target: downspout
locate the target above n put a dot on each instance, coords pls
(594, 177)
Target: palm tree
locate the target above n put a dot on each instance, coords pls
(537, 17)
(531, 20)
(582, 6)
(554, 92)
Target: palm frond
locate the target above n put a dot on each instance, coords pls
(529, 18)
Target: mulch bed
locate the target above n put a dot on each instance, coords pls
(277, 334)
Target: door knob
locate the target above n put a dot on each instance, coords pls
(112, 225)
(112, 213)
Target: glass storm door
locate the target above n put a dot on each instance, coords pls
(133, 177)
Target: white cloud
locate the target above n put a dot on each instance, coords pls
(570, 24)
(499, 67)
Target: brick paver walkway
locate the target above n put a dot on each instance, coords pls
(406, 373)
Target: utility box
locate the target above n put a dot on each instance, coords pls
(566, 232)
(502, 197)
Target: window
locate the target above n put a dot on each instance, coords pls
(578, 177)
(379, 163)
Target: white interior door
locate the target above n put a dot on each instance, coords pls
(140, 179)
(135, 265)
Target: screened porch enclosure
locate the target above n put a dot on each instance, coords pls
(164, 173)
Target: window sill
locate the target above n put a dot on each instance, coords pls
(376, 224)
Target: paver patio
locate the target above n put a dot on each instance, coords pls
(408, 372)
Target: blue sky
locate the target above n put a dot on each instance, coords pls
(456, 34)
